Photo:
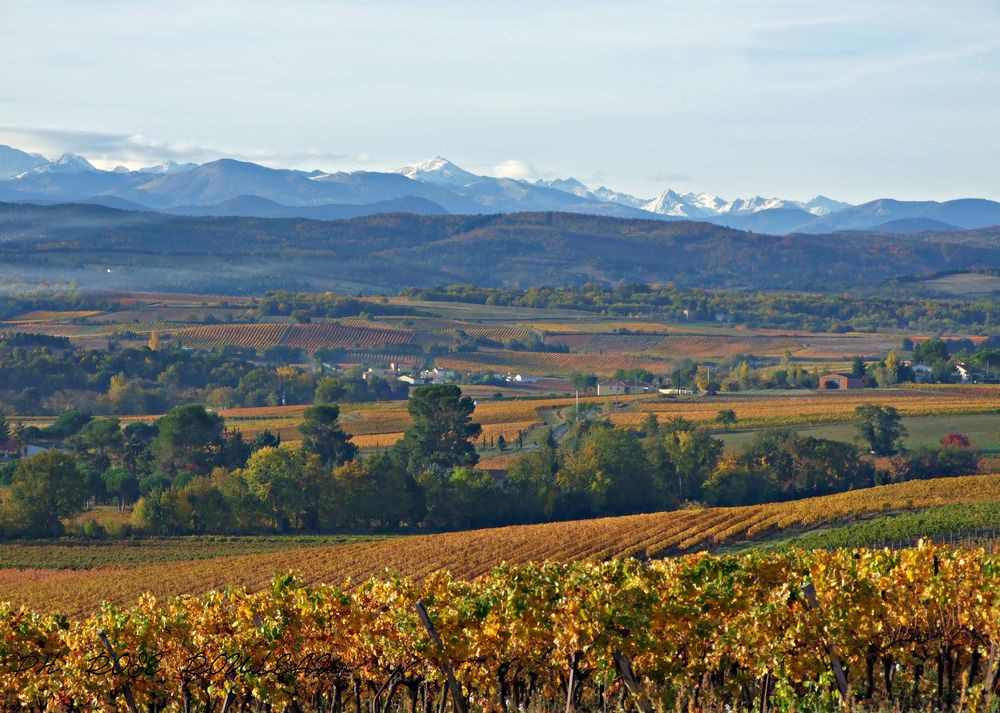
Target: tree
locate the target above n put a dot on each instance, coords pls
(265, 439)
(124, 396)
(122, 483)
(323, 436)
(442, 432)
(44, 490)
(68, 424)
(531, 483)
(931, 351)
(100, 443)
(582, 382)
(805, 466)
(609, 474)
(887, 373)
(273, 476)
(704, 382)
(725, 417)
(734, 482)
(956, 440)
(881, 428)
(135, 450)
(329, 390)
(376, 492)
(742, 375)
(693, 454)
(189, 439)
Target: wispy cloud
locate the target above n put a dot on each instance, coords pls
(512, 168)
(107, 150)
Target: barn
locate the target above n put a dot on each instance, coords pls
(841, 381)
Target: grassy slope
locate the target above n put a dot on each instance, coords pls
(964, 521)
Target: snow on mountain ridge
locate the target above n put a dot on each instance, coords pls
(67, 163)
(438, 169)
(703, 205)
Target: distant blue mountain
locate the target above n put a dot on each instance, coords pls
(963, 213)
(435, 186)
(255, 206)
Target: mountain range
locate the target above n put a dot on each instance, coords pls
(92, 247)
(227, 187)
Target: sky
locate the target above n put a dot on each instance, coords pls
(853, 100)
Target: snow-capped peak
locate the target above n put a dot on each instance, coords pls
(755, 205)
(168, 167)
(706, 205)
(438, 170)
(566, 185)
(687, 205)
(67, 163)
(821, 205)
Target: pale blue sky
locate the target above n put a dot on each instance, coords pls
(856, 100)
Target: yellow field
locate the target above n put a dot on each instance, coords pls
(41, 315)
(508, 430)
(611, 326)
(811, 407)
(549, 363)
(469, 554)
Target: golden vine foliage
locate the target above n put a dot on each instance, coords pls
(696, 625)
(473, 553)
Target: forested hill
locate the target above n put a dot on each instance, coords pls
(101, 247)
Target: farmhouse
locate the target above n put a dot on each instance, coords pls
(12, 450)
(966, 372)
(522, 379)
(841, 381)
(921, 372)
(615, 388)
(389, 373)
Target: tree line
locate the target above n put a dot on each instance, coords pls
(47, 375)
(782, 310)
(188, 473)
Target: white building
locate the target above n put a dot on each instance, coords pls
(522, 379)
(614, 388)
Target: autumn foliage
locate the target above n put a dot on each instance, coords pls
(917, 627)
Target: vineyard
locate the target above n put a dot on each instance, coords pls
(491, 431)
(812, 631)
(545, 363)
(308, 337)
(598, 343)
(791, 410)
(381, 424)
(474, 553)
(128, 300)
(503, 334)
(711, 346)
(52, 316)
(382, 359)
(73, 554)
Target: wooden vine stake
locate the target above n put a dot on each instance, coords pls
(456, 691)
(116, 667)
(624, 667)
(991, 672)
(838, 670)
